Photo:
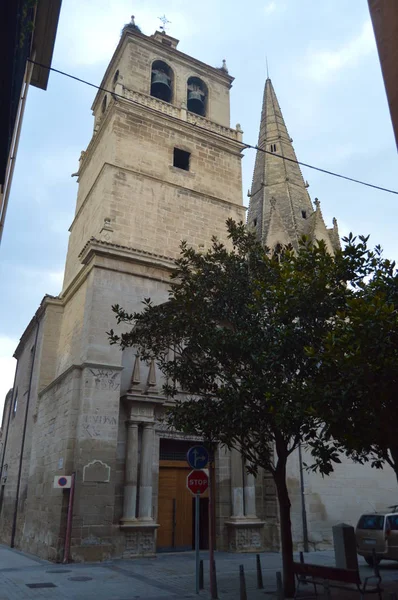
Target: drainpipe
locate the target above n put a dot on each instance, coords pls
(303, 509)
(14, 146)
(14, 520)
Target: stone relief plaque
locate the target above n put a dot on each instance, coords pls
(96, 471)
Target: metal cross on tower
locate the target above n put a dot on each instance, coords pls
(164, 22)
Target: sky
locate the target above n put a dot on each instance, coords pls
(324, 66)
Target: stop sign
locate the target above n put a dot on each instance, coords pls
(197, 482)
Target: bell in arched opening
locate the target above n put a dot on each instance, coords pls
(197, 96)
(162, 81)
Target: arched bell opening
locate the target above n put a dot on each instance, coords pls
(197, 96)
(162, 81)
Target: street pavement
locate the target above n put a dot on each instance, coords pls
(166, 577)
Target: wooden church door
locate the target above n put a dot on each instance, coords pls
(176, 503)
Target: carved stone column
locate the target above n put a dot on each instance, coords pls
(141, 398)
(245, 530)
(237, 484)
(250, 495)
(131, 471)
(145, 489)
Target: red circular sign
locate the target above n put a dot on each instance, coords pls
(197, 482)
(62, 481)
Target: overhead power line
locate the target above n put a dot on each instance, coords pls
(248, 146)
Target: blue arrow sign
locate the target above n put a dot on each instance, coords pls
(197, 457)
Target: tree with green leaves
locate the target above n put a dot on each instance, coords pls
(356, 385)
(232, 343)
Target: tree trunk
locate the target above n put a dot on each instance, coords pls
(394, 456)
(286, 527)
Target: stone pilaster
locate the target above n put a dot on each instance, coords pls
(237, 484)
(139, 530)
(145, 490)
(250, 495)
(245, 530)
(131, 472)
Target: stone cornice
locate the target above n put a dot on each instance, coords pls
(143, 398)
(94, 249)
(78, 367)
(99, 247)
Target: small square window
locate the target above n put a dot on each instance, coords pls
(181, 159)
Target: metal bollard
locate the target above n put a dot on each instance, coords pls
(260, 585)
(201, 577)
(375, 565)
(279, 586)
(302, 577)
(242, 584)
(215, 590)
(326, 587)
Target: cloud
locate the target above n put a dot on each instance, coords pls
(53, 166)
(45, 280)
(7, 366)
(56, 277)
(324, 64)
(273, 6)
(270, 7)
(90, 31)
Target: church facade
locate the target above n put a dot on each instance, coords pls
(163, 165)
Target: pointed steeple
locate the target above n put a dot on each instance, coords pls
(278, 182)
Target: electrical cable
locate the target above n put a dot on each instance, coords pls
(248, 146)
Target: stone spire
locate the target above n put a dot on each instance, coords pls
(280, 207)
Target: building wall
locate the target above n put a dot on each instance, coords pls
(384, 14)
(76, 421)
(53, 450)
(70, 339)
(22, 401)
(52, 321)
(341, 497)
(150, 204)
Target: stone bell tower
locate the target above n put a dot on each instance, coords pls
(162, 166)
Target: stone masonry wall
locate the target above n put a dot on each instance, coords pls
(342, 497)
(52, 454)
(70, 348)
(151, 204)
(20, 403)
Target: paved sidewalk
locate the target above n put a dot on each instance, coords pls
(166, 577)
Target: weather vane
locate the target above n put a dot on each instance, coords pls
(164, 22)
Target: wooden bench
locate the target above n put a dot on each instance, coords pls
(344, 579)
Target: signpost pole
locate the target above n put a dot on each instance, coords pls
(69, 520)
(197, 529)
(213, 584)
(197, 483)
